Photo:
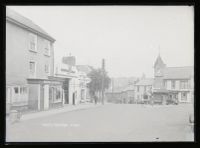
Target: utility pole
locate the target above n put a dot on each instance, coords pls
(103, 72)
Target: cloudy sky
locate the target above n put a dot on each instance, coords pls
(128, 37)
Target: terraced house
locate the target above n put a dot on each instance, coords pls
(29, 65)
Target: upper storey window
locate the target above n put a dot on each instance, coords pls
(47, 48)
(173, 84)
(32, 42)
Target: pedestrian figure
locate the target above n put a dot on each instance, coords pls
(95, 99)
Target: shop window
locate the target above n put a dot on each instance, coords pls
(183, 96)
(184, 84)
(23, 90)
(16, 90)
(58, 94)
(55, 94)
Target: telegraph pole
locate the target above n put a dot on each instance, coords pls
(103, 72)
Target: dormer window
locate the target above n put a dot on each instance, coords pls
(47, 48)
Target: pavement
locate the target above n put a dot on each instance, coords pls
(108, 123)
(54, 111)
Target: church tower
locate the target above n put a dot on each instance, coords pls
(159, 67)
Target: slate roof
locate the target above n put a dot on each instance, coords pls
(159, 61)
(130, 87)
(26, 23)
(178, 72)
(146, 81)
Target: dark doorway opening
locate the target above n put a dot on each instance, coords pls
(66, 90)
(73, 98)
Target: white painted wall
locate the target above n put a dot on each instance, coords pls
(169, 84)
(177, 84)
(70, 90)
(39, 97)
(46, 97)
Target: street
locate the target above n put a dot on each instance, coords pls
(110, 123)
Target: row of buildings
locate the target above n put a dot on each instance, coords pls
(33, 81)
(169, 83)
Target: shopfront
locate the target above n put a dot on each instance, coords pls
(56, 96)
(45, 93)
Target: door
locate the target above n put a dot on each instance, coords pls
(73, 98)
(66, 91)
(42, 98)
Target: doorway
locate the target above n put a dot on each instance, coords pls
(74, 98)
(66, 90)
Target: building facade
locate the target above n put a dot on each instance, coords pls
(29, 65)
(84, 70)
(175, 83)
(143, 90)
(128, 94)
(75, 81)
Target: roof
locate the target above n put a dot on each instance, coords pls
(146, 81)
(130, 87)
(24, 22)
(160, 91)
(178, 72)
(159, 61)
(84, 68)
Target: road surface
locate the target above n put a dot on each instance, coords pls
(108, 123)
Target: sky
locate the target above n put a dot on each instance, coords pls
(129, 38)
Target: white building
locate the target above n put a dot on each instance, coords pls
(75, 82)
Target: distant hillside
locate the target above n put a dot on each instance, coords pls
(118, 84)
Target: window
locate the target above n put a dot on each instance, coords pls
(23, 90)
(32, 69)
(55, 94)
(47, 69)
(58, 94)
(47, 48)
(138, 88)
(165, 84)
(33, 42)
(173, 84)
(145, 89)
(184, 96)
(16, 90)
(184, 84)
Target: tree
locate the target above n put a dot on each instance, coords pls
(95, 85)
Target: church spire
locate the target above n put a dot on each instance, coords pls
(159, 61)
